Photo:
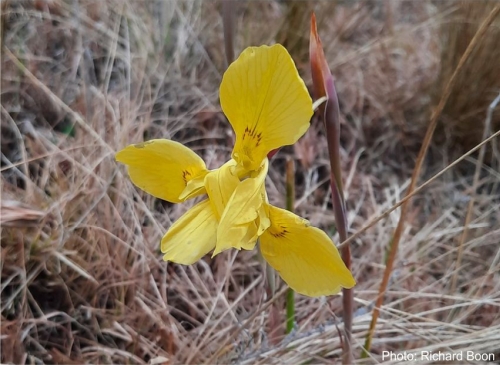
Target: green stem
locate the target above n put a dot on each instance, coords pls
(290, 202)
(290, 311)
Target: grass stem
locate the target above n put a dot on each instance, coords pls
(290, 203)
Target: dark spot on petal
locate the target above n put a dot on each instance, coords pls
(185, 175)
(281, 233)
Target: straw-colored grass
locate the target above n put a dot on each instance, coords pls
(478, 84)
(82, 275)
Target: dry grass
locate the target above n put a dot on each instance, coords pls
(478, 84)
(82, 276)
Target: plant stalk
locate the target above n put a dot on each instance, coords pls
(290, 204)
(324, 86)
(228, 15)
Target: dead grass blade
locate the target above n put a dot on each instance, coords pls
(16, 214)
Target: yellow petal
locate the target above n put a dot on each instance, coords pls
(163, 168)
(194, 187)
(304, 256)
(266, 102)
(243, 219)
(220, 185)
(192, 236)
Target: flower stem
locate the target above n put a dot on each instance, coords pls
(324, 86)
(290, 310)
(290, 202)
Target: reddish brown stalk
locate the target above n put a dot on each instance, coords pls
(416, 172)
(324, 85)
(271, 154)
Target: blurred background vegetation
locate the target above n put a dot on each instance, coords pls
(82, 275)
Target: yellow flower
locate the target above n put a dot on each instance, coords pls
(268, 106)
